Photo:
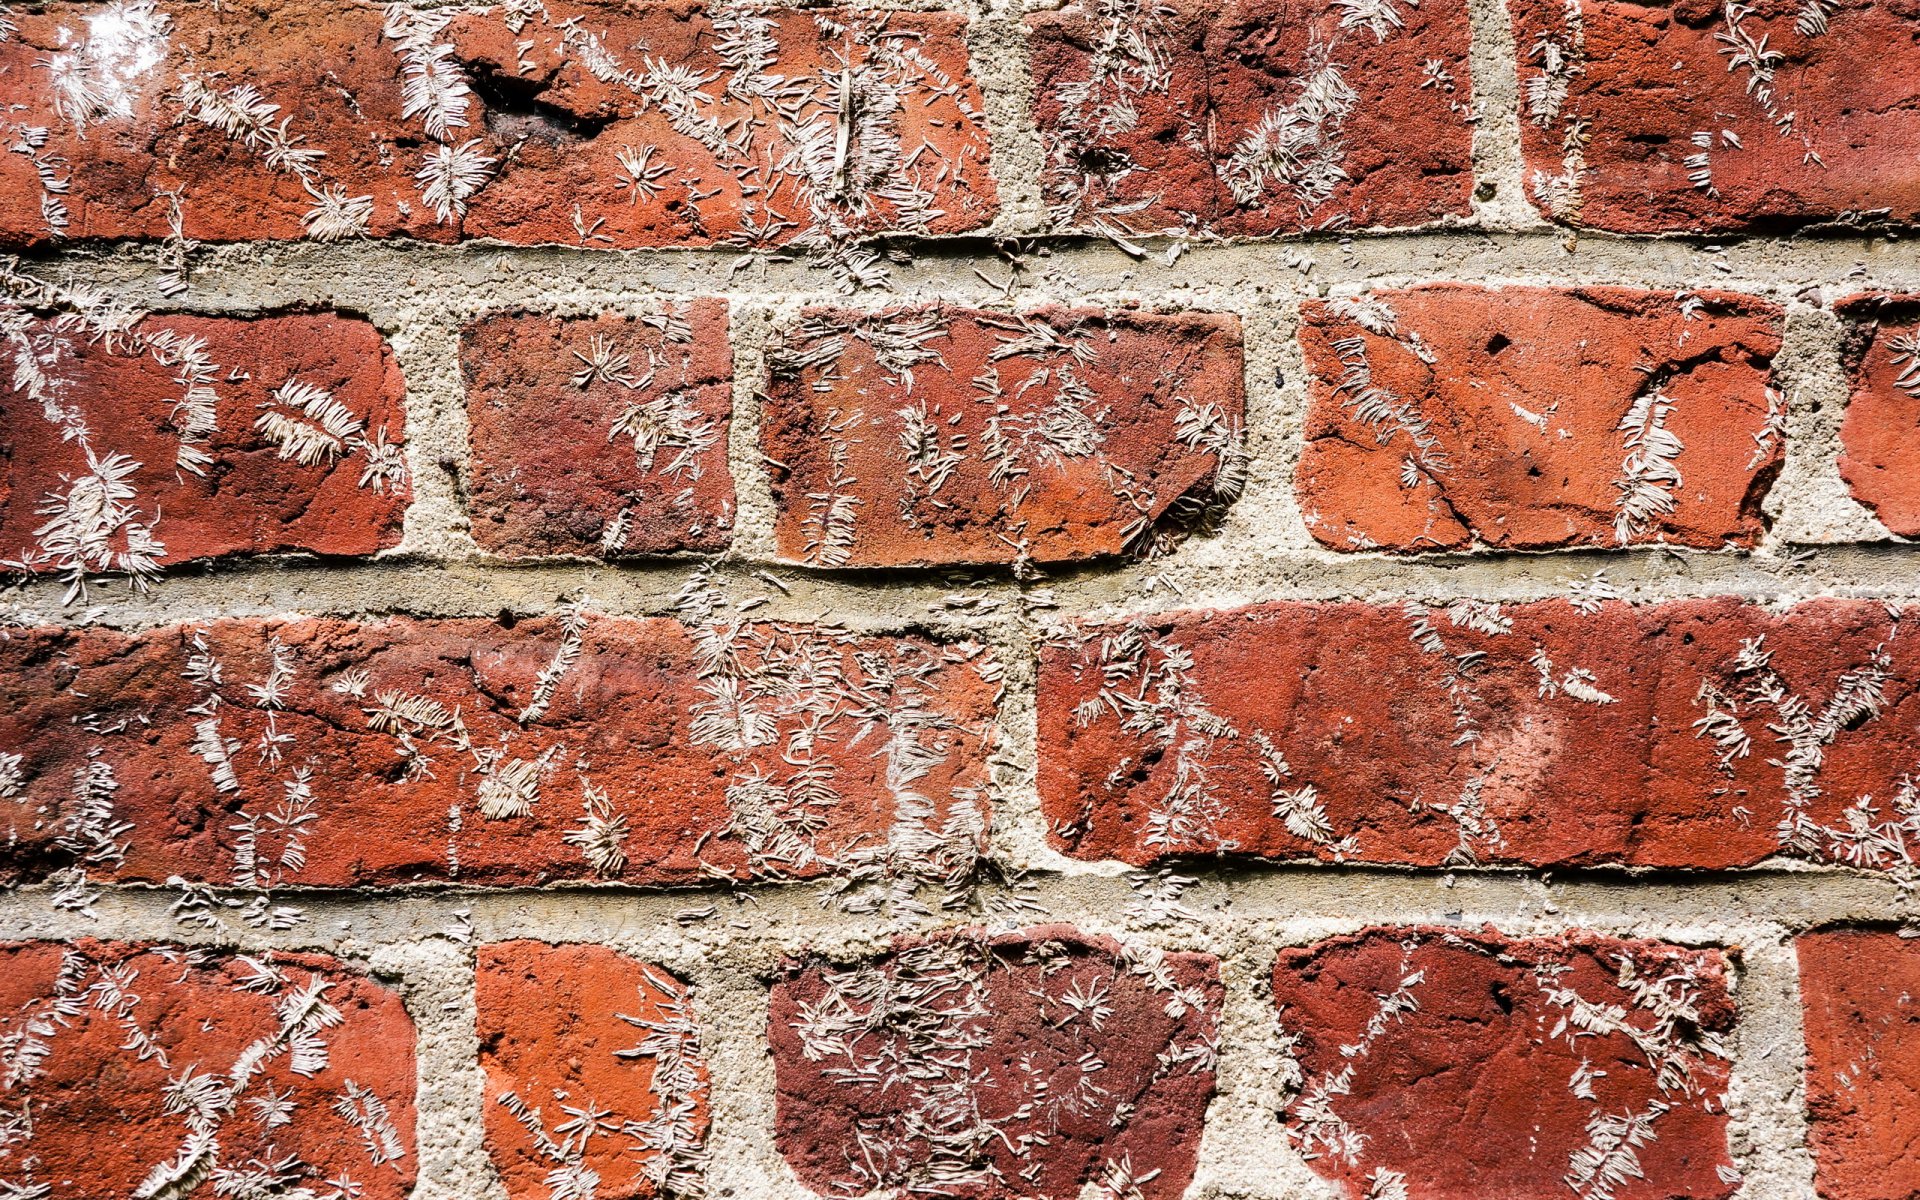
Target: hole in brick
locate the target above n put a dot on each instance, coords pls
(514, 109)
(1498, 342)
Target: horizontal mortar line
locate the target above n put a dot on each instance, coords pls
(911, 598)
(1229, 901)
(279, 273)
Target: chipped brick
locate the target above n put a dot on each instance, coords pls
(1447, 417)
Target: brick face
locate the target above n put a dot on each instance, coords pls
(1880, 437)
(1859, 988)
(557, 748)
(1026, 1064)
(185, 438)
(563, 1024)
(147, 1068)
(1446, 417)
(947, 435)
(1533, 734)
(335, 119)
(1647, 118)
(600, 436)
(1464, 1063)
(1253, 118)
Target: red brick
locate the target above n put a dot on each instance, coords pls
(566, 1030)
(1862, 1021)
(414, 746)
(209, 436)
(157, 1070)
(1425, 737)
(1530, 418)
(1461, 1064)
(950, 435)
(537, 112)
(1653, 117)
(1880, 437)
(600, 436)
(1253, 118)
(1020, 1065)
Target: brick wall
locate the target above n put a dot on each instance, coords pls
(1120, 601)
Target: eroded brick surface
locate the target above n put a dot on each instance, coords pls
(589, 124)
(1696, 733)
(572, 1030)
(1654, 117)
(1451, 1064)
(152, 1070)
(1528, 418)
(1860, 989)
(1025, 1064)
(333, 753)
(1253, 118)
(1880, 437)
(950, 435)
(600, 436)
(129, 444)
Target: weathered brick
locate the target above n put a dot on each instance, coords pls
(1862, 1022)
(126, 448)
(1027, 1064)
(1253, 118)
(331, 753)
(950, 435)
(1880, 437)
(1534, 733)
(153, 1070)
(1651, 117)
(591, 124)
(572, 1029)
(600, 436)
(1528, 418)
(1453, 1064)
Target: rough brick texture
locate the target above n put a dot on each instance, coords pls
(567, 1029)
(1024, 1064)
(1529, 418)
(600, 436)
(1880, 438)
(592, 124)
(1252, 118)
(129, 449)
(1645, 118)
(1861, 991)
(1535, 733)
(1459, 1064)
(150, 1070)
(330, 753)
(947, 435)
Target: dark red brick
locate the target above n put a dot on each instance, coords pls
(1253, 118)
(184, 438)
(1534, 734)
(537, 123)
(1862, 1021)
(491, 751)
(152, 1070)
(1523, 418)
(580, 1029)
(1461, 1064)
(1026, 1064)
(1656, 117)
(1880, 437)
(947, 435)
(600, 436)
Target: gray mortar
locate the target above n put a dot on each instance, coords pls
(1822, 543)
